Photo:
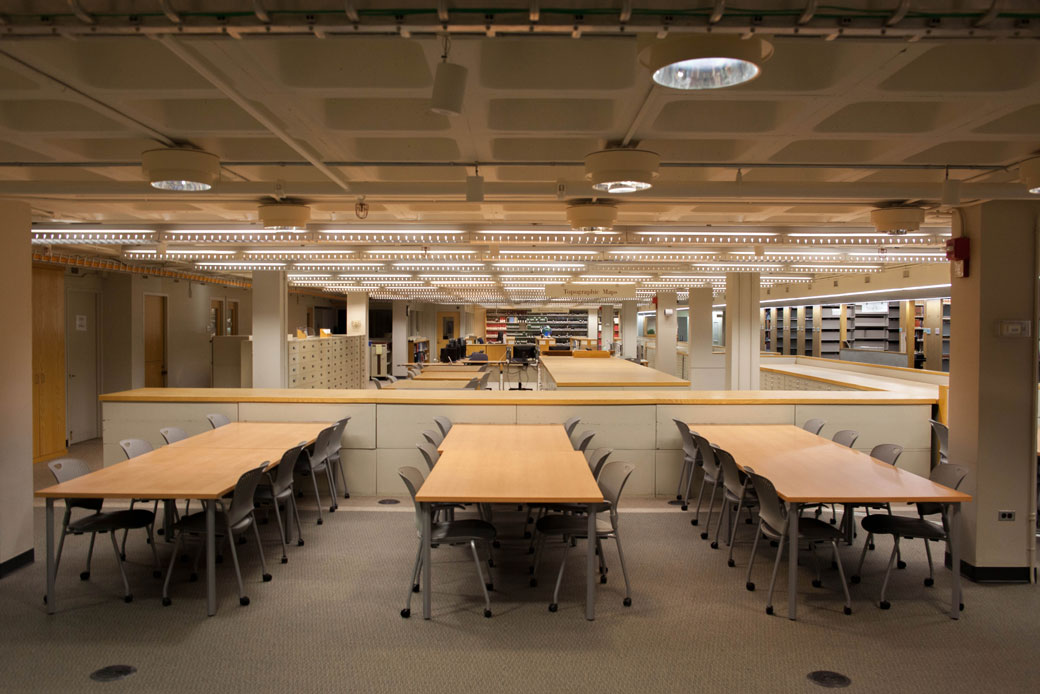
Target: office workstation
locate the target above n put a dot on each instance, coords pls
(408, 345)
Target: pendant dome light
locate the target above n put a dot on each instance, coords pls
(590, 215)
(180, 169)
(1029, 172)
(706, 61)
(897, 219)
(284, 216)
(621, 170)
(449, 85)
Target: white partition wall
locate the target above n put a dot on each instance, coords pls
(629, 329)
(742, 330)
(707, 371)
(667, 333)
(270, 312)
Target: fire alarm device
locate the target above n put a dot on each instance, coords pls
(958, 251)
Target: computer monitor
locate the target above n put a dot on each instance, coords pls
(527, 352)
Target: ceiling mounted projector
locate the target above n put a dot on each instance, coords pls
(597, 217)
(705, 61)
(1029, 172)
(897, 220)
(621, 170)
(181, 169)
(284, 216)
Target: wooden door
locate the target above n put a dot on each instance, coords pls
(447, 328)
(154, 341)
(81, 331)
(48, 362)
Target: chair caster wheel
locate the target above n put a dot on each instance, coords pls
(773, 543)
(534, 582)
(285, 560)
(122, 556)
(884, 604)
(496, 544)
(487, 614)
(693, 522)
(871, 546)
(527, 534)
(714, 545)
(833, 522)
(157, 574)
(243, 601)
(929, 582)
(847, 610)
(299, 543)
(678, 497)
(704, 536)
(491, 563)
(160, 531)
(750, 586)
(320, 521)
(854, 580)
(406, 613)
(627, 602)
(128, 598)
(900, 564)
(84, 576)
(346, 496)
(415, 588)
(220, 559)
(747, 521)
(817, 584)
(769, 609)
(267, 577)
(553, 607)
(44, 599)
(684, 507)
(166, 602)
(489, 586)
(193, 577)
(332, 509)
(602, 579)
(730, 563)
(962, 607)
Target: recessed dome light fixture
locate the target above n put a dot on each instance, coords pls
(284, 216)
(709, 61)
(1029, 172)
(897, 220)
(180, 169)
(621, 170)
(589, 215)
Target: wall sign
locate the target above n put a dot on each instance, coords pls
(591, 291)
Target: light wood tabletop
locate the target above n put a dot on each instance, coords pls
(255, 435)
(605, 373)
(533, 438)
(463, 376)
(805, 467)
(453, 367)
(170, 472)
(412, 384)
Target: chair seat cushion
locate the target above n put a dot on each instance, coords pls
(113, 520)
(463, 531)
(884, 524)
(578, 526)
(815, 529)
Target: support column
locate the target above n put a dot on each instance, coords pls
(270, 315)
(606, 321)
(16, 414)
(993, 386)
(629, 329)
(399, 338)
(593, 323)
(707, 370)
(742, 330)
(667, 333)
(357, 322)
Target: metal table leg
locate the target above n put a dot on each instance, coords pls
(501, 377)
(51, 600)
(211, 557)
(427, 563)
(590, 566)
(793, 509)
(954, 516)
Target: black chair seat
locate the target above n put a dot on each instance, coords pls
(884, 524)
(462, 531)
(576, 526)
(113, 520)
(195, 524)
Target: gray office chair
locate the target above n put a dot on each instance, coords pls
(483, 384)
(443, 423)
(900, 527)
(597, 459)
(279, 490)
(474, 384)
(773, 525)
(65, 469)
(173, 434)
(315, 461)
(478, 356)
(942, 435)
(814, 426)
(131, 449)
(845, 437)
(335, 445)
(237, 516)
(712, 475)
(737, 494)
(571, 424)
(433, 437)
(379, 383)
(572, 527)
(217, 420)
(691, 461)
(582, 441)
(468, 531)
(886, 453)
(429, 453)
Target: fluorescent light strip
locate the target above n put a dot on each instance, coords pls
(535, 232)
(534, 277)
(299, 251)
(408, 264)
(811, 299)
(840, 268)
(335, 265)
(418, 251)
(718, 234)
(241, 265)
(292, 277)
(448, 278)
(575, 253)
(391, 231)
(723, 267)
(601, 282)
(539, 266)
(371, 276)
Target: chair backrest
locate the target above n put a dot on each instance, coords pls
(484, 380)
(135, 447)
(688, 446)
(283, 477)
(846, 437)
(707, 454)
(217, 420)
(173, 434)
(612, 481)
(732, 476)
(887, 452)
(571, 424)
(942, 432)
(65, 469)
(814, 426)
(433, 437)
(379, 384)
(474, 384)
(583, 440)
(478, 356)
(429, 453)
(242, 496)
(336, 439)
(321, 445)
(443, 423)
(596, 460)
(770, 510)
(413, 480)
(948, 475)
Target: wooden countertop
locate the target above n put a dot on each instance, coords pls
(860, 381)
(569, 372)
(532, 438)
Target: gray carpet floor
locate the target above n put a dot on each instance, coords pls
(329, 621)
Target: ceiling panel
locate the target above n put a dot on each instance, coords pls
(382, 114)
(571, 115)
(970, 68)
(695, 115)
(555, 63)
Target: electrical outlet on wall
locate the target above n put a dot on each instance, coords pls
(1005, 515)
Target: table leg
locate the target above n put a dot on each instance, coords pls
(954, 519)
(51, 600)
(793, 509)
(168, 509)
(427, 563)
(211, 557)
(501, 377)
(590, 566)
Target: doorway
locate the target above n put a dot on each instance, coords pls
(447, 328)
(154, 341)
(216, 317)
(81, 329)
(231, 319)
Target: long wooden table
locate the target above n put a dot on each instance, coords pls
(806, 468)
(412, 384)
(204, 467)
(476, 468)
(463, 376)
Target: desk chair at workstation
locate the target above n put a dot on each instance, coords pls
(523, 356)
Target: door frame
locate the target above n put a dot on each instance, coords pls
(99, 360)
(458, 325)
(166, 332)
